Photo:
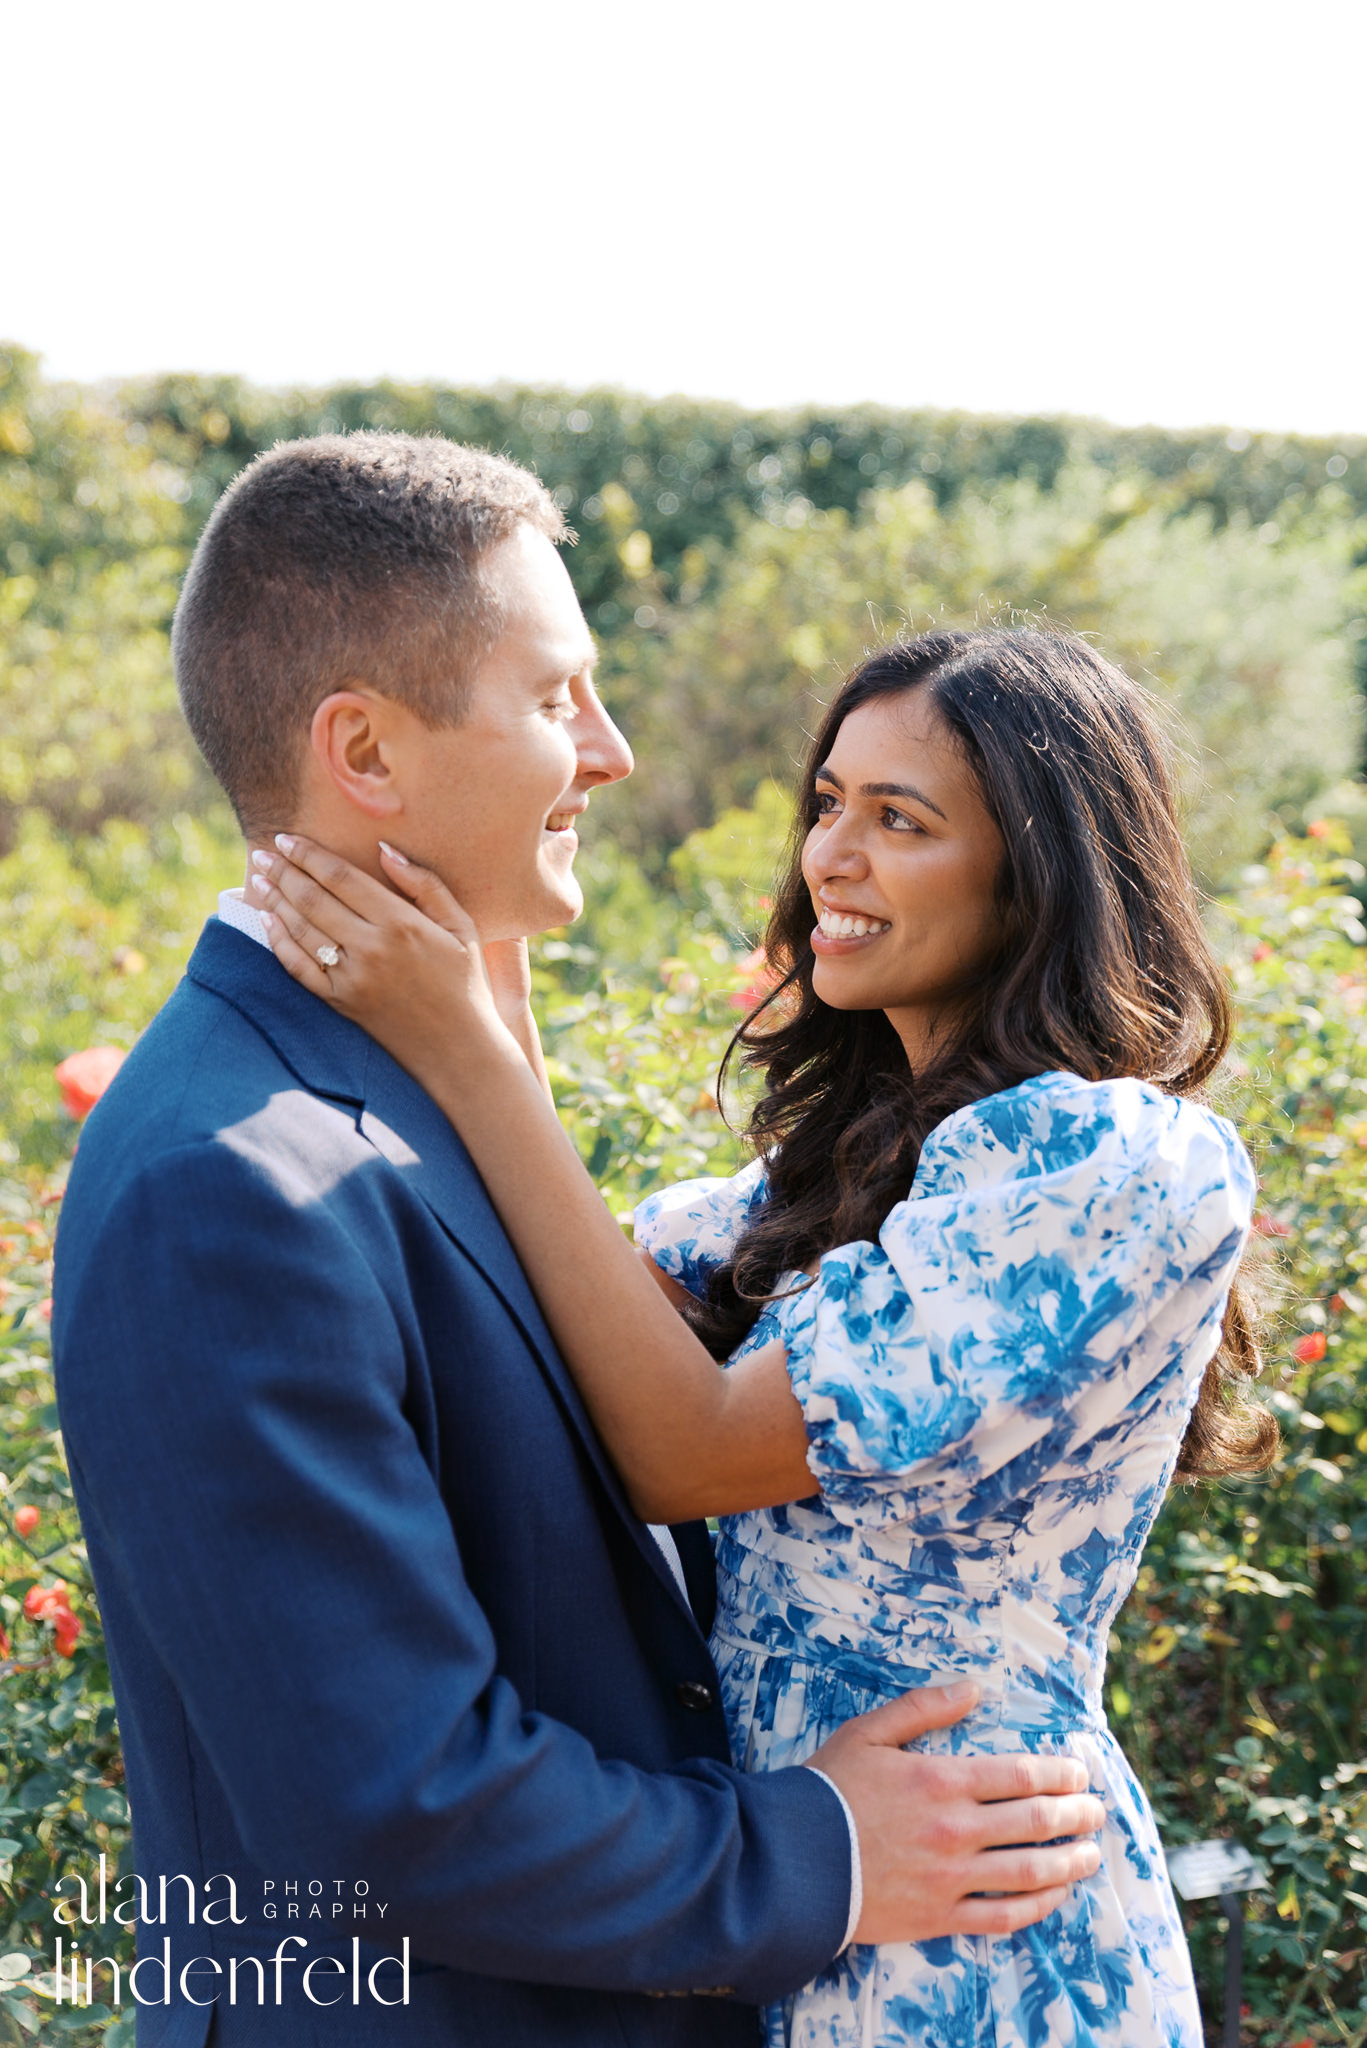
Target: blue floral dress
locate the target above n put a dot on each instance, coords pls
(995, 1394)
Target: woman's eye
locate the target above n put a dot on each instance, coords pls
(825, 803)
(898, 821)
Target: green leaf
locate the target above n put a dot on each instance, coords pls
(43, 1789)
(22, 2014)
(102, 1802)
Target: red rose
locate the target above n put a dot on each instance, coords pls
(1262, 951)
(26, 1520)
(53, 1604)
(84, 1077)
(764, 978)
(49, 1603)
(1311, 1349)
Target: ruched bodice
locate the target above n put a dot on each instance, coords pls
(995, 1394)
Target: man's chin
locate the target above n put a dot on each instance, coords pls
(572, 908)
(557, 908)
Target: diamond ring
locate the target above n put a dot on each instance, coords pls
(328, 956)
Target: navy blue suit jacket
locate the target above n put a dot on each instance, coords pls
(378, 1612)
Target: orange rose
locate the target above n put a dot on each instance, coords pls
(26, 1520)
(1311, 1348)
(84, 1077)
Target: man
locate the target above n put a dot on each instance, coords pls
(400, 1675)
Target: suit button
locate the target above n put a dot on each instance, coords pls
(697, 1698)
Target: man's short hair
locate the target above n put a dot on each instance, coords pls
(350, 559)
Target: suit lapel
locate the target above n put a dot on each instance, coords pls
(333, 1057)
(403, 1124)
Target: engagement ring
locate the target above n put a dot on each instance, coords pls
(328, 956)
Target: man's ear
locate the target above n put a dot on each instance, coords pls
(351, 739)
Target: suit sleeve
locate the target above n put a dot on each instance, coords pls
(232, 1383)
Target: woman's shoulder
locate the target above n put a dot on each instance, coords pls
(1055, 1121)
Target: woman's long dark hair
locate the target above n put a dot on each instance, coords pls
(1103, 970)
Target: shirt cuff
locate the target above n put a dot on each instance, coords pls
(856, 1867)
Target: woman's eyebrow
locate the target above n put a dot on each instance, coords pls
(907, 789)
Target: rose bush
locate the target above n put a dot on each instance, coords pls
(61, 1775)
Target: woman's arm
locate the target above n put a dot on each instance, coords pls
(688, 1437)
(673, 1290)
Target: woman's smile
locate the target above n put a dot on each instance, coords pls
(841, 931)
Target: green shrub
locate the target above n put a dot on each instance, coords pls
(95, 934)
(61, 1775)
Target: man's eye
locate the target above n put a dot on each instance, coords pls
(563, 707)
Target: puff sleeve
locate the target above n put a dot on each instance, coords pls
(1065, 1244)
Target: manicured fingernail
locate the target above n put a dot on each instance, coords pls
(260, 884)
(961, 1694)
(268, 919)
(400, 860)
(284, 842)
(260, 859)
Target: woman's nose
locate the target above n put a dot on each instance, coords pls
(832, 851)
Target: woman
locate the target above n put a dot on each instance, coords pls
(975, 1288)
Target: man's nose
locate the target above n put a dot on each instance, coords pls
(603, 753)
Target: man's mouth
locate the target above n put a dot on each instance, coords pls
(563, 821)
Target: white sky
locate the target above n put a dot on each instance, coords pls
(1148, 212)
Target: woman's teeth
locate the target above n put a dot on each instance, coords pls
(838, 926)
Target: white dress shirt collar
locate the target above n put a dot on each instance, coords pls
(234, 909)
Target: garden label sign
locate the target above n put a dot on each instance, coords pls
(1205, 1870)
